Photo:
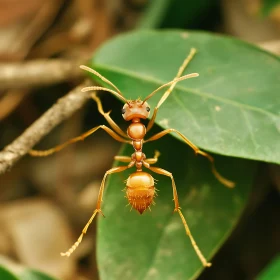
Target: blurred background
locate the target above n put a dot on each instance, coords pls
(61, 190)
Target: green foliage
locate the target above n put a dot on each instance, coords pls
(272, 271)
(30, 274)
(154, 14)
(6, 274)
(154, 244)
(269, 6)
(231, 109)
(22, 274)
(174, 14)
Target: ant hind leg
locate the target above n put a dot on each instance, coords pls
(96, 211)
(177, 209)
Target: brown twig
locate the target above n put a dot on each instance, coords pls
(60, 111)
(38, 72)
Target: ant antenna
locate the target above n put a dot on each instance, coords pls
(192, 75)
(100, 76)
(104, 89)
(116, 93)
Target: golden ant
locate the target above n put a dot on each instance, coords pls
(140, 189)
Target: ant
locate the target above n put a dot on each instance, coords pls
(140, 185)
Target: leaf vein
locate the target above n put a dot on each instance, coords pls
(250, 129)
(157, 82)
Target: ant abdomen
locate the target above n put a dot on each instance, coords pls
(140, 190)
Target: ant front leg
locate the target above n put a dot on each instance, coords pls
(45, 153)
(167, 93)
(218, 176)
(122, 158)
(107, 116)
(177, 209)
(97, 210)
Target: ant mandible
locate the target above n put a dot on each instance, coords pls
(140, 189)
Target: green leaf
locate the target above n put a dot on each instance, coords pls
(17, 272)
(272, 271)
(269, 6)
(154, 14)
(31, 274)
(231, 109)
(174, 14)
(154, 245)
(6, 274)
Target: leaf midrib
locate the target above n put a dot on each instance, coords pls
(184, 89)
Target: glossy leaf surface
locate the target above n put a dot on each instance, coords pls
(232, 108)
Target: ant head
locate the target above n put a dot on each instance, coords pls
(135, 109)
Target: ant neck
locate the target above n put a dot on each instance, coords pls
(136, 120)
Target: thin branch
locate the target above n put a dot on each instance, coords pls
(37, 72)
(60, 111)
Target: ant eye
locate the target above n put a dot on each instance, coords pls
(148, 109)
(123, 110)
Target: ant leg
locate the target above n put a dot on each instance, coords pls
(97, 210)
(177, 209)
(107, 116)
(167, 93)
(44, 153)
(218, 176)
(122, 158)
(154, 159)
(148, 160)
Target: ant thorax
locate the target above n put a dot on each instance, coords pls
(136, 130)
